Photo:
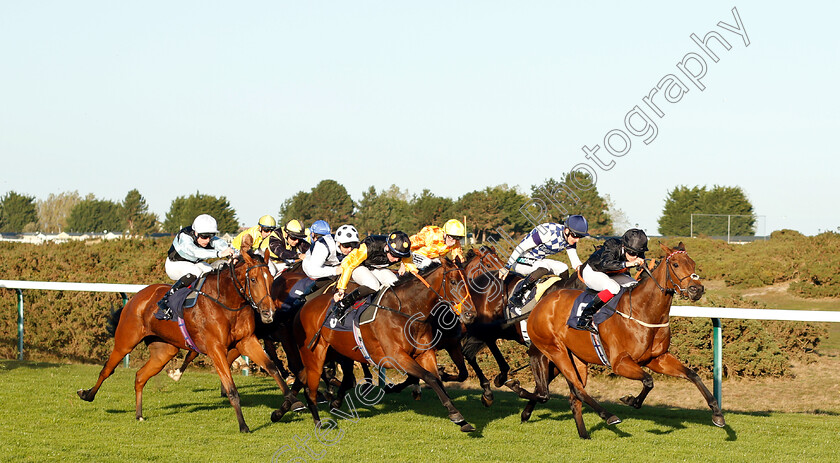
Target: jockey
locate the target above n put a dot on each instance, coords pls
(287, 246)
(347, 239)
(432, 242)
(318, 229)
(185, 261)
(529, 257)
(321, 260)
(259, 234)
(368, 265)
(606, 271)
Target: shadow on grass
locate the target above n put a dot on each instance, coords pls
(8, 365)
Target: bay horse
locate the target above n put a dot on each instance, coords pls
(491, 296)
(638, 335)
(221, 320)
(401, 336)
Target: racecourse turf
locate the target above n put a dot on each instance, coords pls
(44, 420)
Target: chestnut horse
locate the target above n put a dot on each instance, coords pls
(401, 336)
(638, 335)
(221, 320)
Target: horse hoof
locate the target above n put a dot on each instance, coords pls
(140, 418)
(83, 394)
(512, 383)
(335, 405)
(244, 430)
(631, 401)
(276, 415)
(416, 394)
(613, 420)
(499, 380)
(525, 416)
(298, 406)
(466, 427)
(486, 401)
(175, 374)
(718, 421)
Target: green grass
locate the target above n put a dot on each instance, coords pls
(43, 420)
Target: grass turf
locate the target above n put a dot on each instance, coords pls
(44, 420)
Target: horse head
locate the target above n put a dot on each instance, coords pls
(456, 288)
(257, 287)
(680, 270)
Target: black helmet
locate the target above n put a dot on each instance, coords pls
(398, 244)
(635, 241)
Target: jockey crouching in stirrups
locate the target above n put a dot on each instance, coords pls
(368, 266)
(606, 271)
(529, 257)
(258, 234)
(431, 242)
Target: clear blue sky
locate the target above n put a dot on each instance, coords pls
(258, 100)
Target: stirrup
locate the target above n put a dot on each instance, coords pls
(588, 325)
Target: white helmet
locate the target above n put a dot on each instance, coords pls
(205, 223)
(346, 234)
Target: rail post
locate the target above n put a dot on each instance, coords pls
(718, 353)
(127, 356)
(20, 322)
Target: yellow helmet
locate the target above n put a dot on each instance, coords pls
(454, 227)
(295, 229)
(267, 222)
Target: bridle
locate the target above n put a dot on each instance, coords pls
(670, 275)
(245, 293)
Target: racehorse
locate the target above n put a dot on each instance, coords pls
(490, 296)
(638, 335)
(401, 336)
(221, 320)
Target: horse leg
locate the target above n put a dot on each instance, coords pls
(457, 355)
(504, 368)
(271, 351)
(251, 347)
(574, 402)
(128, 335)
(160, 353)
(176, 373)
(628, 368)
(423, 367)
(566, 364)
(543, 372)
(471, 346)
(669, 365)
(348, 380)
(219, 356)
(312, 364)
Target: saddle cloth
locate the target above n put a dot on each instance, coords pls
(531, 298)
(605, 312)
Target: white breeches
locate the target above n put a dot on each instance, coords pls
(600, 281)
(176, 269)
(554, 266)
(374, 278)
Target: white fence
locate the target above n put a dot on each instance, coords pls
(715, 313)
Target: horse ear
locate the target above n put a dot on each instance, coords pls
(680, 247)
(247, 244)
(665, 248)
(267, 255)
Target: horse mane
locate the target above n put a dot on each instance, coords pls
(469, 255)
(408, 277)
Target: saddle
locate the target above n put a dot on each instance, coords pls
(520, 314)
(363, 312)
(605, 312)
(185, 298)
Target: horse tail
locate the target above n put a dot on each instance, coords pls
(471, 346)
(113, 321)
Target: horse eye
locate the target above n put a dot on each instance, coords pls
(676, 265)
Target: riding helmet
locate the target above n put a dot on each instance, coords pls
(295, 230)
(577, 224)
(635, 240)
(454, 228)
(398, 244)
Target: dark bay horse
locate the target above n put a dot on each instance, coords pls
(401, 337)
(221, 320)
(638, 335)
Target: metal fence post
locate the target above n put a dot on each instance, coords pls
(127, 356)
(20, 322)
(718, 352)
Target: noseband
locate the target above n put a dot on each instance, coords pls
(668, 275)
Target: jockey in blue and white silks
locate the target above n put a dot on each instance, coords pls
(530, 256)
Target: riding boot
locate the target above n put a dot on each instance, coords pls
(585, 320)
(517, 299)
(342, 306)
(163, 304)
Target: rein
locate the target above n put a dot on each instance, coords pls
(246, 297)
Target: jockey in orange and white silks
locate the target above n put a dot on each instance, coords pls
(529, 257)
(606, 271)
(258, 233)
(431, 242)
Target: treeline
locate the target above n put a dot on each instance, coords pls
(489, 211)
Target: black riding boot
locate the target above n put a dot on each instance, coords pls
(163, 304)
(517, 299)
(585, 320)
(342, 306)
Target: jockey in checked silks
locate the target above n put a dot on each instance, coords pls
(529, 257)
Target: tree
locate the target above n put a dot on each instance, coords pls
(54, 211)
(483, 210)
(184, 210)
(561, 200)
(17, 211)
(510, 200)
(328, 200)
(384, 212)
(136, 216)
(297, 207)
(428, 209)
(95, 215)
(722, 201)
